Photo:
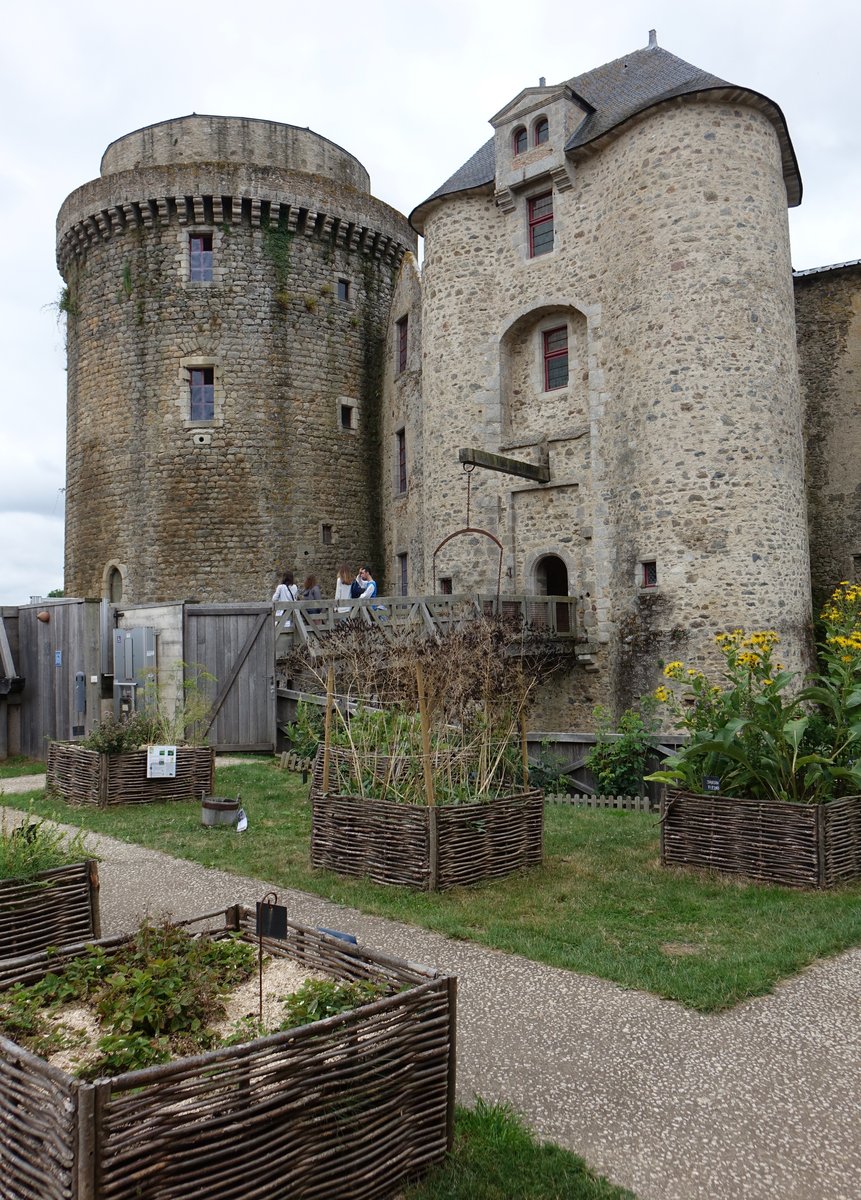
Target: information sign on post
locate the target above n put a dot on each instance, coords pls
(161, 762)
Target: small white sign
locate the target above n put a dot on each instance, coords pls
(161, 762)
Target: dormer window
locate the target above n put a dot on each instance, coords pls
(541, 132)
(519, 140)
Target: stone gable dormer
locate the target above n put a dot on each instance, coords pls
(523, 161)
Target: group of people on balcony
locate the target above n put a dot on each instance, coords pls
(362, 587)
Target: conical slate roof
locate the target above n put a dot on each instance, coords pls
(618, 91)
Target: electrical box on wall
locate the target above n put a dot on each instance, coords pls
(134, 669)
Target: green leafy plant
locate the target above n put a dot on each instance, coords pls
(183, 724)
(320, 998)
(306, 732)
(755, 733)
(35, 846)
(155, 996)
(619, 758)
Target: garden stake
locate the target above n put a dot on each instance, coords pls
(426, 757)
(524, 749)
(272, 921)
(327, 729)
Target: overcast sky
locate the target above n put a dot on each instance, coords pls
(406, 88)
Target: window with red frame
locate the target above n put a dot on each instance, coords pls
(201, 393)
(519, 140)
(402, 328)
(541, 133)
(401, 436)
(555, 358)
(403, 574)
(445, 585)
(650, 574)
(200, 257)
(540, 225)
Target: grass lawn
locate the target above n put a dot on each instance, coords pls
(496, 1158)
(10, 768)
(600, 904)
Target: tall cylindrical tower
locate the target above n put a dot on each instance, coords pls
(228, 288)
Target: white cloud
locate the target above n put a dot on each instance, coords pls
(407, 90)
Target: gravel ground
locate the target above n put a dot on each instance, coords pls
(760, 1103)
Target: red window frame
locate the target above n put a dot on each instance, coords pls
(540, 224)
(445, 588)
(201, 393)
(200, 257)
(555, 358)
(519, 140)
(401, 436)
(541, 132)
(402, 327)
(650, 574)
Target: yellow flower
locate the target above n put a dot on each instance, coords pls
(674, 670)
(662, 694)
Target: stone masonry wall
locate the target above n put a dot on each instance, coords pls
(828, 316)
(217, 509)
(673, 247)
(403, 512)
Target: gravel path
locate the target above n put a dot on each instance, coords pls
(761, 1103)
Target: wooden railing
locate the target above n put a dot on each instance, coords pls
(304, 621)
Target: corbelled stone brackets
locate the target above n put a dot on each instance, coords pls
(540, 473)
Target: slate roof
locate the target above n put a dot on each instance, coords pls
(618, 91)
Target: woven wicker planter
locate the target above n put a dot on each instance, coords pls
(427, 847)
(82, 776)
(801, 845)
(53, 909)
(349, 1105)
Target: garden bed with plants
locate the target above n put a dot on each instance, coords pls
(422, 778)
(768, 784)
(351, 1076)
(49, 889)
(110, 766)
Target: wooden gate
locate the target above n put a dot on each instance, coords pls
(234, 644)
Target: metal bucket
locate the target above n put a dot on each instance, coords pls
(215, 810)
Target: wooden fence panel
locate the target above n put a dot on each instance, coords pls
(234, 645)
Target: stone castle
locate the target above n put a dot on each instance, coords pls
(260, 377)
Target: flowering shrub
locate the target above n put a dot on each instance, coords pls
(757, 735)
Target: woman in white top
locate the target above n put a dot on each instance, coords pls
(342, 584)
(286, 590)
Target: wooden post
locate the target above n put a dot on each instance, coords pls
(327, 728)
(451, 1082)
(524, 749)
(85, 1150)
(95, 911)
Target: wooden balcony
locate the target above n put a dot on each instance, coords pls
(308, 621)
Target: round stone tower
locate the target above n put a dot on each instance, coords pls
(607, 294)
(228, 284)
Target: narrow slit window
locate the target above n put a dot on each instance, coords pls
(326, 535)
(555, 359)
(540, 225)
(401, 437)
(200, 257)
(402, 329)
(201, 393)
(343, 289)
(347, 416)
(403, 574)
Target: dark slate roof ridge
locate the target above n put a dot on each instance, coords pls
(615, 96)
(852, 262)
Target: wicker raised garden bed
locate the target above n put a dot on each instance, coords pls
(428, 847)
(350, 1105)
(802, 845)
(52, 909)
(82, 776)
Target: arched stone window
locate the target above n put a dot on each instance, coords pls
(113, 583)
(544, 373)
(551, 576)
(541, 132)
(519, 140)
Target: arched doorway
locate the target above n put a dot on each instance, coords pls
(551, 579)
